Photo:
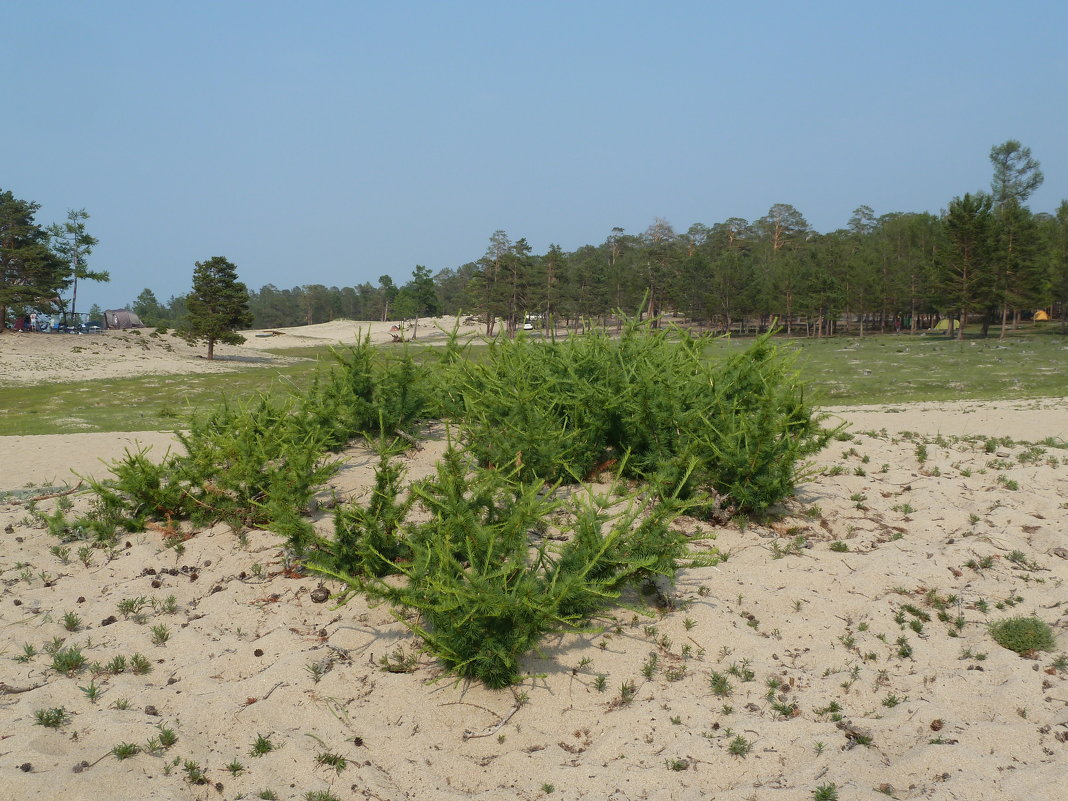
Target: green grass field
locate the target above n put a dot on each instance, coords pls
(840, 371)
(902, 369)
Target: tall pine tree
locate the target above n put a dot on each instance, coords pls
(217, 306)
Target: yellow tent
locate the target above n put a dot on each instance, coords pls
(1041, 316)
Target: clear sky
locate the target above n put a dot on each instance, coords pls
(333, 142)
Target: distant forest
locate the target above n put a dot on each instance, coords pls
(986, 258)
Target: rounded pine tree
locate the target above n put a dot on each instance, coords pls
(217, 306)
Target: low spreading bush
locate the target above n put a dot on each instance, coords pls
(739, 427)
(485, 579)
(261, 462)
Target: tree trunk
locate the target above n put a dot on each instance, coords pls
(211, 349)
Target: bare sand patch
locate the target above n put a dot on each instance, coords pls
(27, 358)
(34, 358)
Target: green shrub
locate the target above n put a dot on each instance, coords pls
(367, 538)
(486, 582)
(737, 428)
(1023, 634)
(260, 462)
(364, 396)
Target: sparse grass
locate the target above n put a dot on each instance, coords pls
(1025, 364)
(143, 403)
(931, 368)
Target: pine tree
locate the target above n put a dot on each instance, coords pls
(218, 305)
(31, 275)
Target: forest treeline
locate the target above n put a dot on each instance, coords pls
(986, 258)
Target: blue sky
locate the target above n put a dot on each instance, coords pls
(333, 142)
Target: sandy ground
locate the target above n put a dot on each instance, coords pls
(29, 358)
(950, 714)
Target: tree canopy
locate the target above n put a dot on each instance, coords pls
(217, 307)
(38, 264)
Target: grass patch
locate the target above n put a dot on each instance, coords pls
(882, 369)
(838, 370)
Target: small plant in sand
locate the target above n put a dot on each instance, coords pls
(720, 685)
(261, 746)
(51, 718)
(1024, 635)
(133, 607)
(68, 660)
(85, 555)
(28, 653)
(825, 792)
(167, 736)
(160, 634)
(125, 750)
(116, 665)
(739, 746)
(140, 665)
(194, 772)
(331, 760)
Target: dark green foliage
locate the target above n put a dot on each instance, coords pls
(364, 396)
(366, 538)
(1023, 634)
(487, 583)
(737, 428)
(217, 305)
(241, 464)
(30, 272)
